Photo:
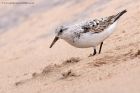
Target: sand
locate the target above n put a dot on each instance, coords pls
(28, 65)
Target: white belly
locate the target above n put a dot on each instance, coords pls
(90, 39)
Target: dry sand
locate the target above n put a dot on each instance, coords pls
(28, 65)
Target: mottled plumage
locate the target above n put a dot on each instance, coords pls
(99, 25)
(89, 33)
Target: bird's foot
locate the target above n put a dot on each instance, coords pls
(91, 55)
(94, 53)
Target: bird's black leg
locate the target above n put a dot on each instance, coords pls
(94, 53)
(100, 47)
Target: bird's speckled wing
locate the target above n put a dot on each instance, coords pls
(99, 25)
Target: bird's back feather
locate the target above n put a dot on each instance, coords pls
(99, 25)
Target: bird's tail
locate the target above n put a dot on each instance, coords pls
(119, 15)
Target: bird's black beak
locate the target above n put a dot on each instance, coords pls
(54, 41)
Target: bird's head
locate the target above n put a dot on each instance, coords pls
(59, 34)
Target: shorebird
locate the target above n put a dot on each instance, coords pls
(88, 33)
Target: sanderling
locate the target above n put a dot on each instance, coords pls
(88, 33)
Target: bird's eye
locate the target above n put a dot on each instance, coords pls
(61, 31)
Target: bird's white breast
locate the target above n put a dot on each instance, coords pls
(89, 39)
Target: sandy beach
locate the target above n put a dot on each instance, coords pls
(28, 65)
